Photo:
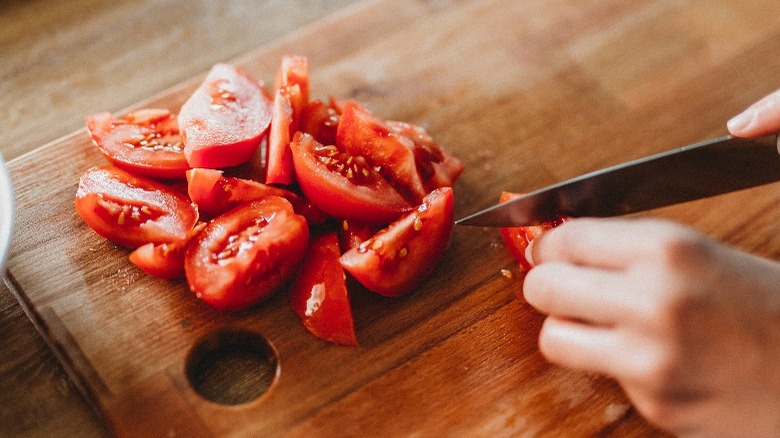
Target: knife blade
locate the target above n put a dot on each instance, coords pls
(696, 171)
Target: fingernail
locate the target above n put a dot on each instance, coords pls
(528, 251)
(741, 122)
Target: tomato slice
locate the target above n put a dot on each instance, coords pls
(319, 293)
(360, 133)
(342, 185)
(517, 239)
(245, 255)
(225, 119)
(165, 260)
(145, 142)
(215, 194)
(294, 70)
(321, 120)
(283, 124)
(132, 211)
(400, 257)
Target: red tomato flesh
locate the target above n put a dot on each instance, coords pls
(245, 255)
(402, 256)
(360, 133)
(165, 260)
(225, 119)
(145, 142)
(294, 70)
(280, 166)
(319, 293)
(517, 239)
(321, 120)
(342, 185)
(215, 194)
(132, 211)
(352, 234)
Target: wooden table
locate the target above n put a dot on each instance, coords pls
(587, 86)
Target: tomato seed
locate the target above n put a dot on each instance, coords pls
(403, 252)
(417, 223)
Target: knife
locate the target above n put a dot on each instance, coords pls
(697, 171)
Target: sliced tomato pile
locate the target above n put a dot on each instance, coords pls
(517, 239)
(339, 192)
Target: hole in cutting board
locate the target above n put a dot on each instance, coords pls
(232, 367)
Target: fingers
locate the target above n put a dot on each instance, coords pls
(761, 118)
(604, 243)
(580, 346)
(575, 292)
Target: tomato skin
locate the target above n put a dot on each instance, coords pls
(361, 133)
(368, 199)
(225, 119)
(247, 254)
(517, 239)
(145, 142)
(402, 256)
(215, 194)
(132, 211)
(319, 293)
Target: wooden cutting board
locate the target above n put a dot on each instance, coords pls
(527, 93)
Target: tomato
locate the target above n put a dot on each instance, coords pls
(215, 194)
(352, 234)
(400, 257)
(283, 125)
(436, 166)
(360, 133)
(517, 239)
(321, 120)
(245, 255)
(145, 142)
(165, 260)
(342, 185)
(319, 293)
(132, 211)
(225, 119)
(294, 70)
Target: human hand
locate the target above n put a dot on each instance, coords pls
(761, 118)
(689, 327)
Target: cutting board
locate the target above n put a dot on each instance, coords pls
(527, 93)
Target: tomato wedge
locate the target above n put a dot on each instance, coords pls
(361, 133)
(145, 142)
(165, 260)
(321, 120)
(245, 255)
(319, 293)
(400, 257)
(517, 239)
(293, 70)
(132, 211)
(225, 119)
(436, 166)
(283, 125)
(215, 194)
(342, 185)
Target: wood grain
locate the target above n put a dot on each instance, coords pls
(565, 87)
